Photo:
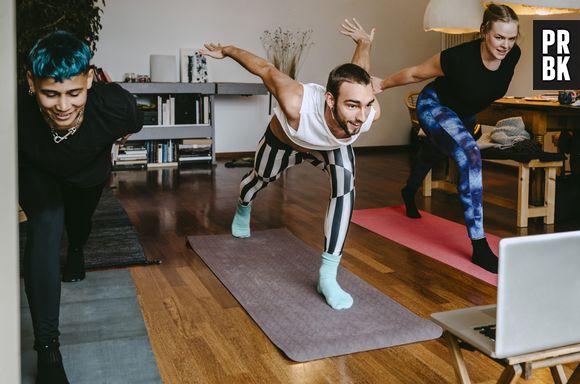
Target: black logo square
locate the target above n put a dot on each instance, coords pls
(556, 54)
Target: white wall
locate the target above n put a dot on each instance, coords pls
(134, 29)
(522, 83)
(9, 277)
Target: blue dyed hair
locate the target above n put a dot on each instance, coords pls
(59, 55)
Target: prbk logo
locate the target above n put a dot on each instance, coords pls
(556, 54)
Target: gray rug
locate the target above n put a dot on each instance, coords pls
(113, 240)
(273, 275)
(103, 336)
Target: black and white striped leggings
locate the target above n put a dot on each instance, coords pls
(273, 157)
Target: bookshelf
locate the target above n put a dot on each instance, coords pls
(178, 116)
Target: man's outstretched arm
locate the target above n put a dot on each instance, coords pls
(286, 90)
(363, 40)
(362, 53)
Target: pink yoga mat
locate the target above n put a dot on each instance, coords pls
(430, 235)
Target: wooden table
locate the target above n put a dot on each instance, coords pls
(519, 366)
(540, 117)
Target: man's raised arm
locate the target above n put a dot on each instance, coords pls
(286, 90)
(363, 40)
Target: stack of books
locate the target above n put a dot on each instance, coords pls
(129, 156)
(193, 150)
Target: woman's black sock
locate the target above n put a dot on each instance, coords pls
(408, 194)
(483, 255)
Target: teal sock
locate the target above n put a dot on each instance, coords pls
(335, 296)
(241, 223)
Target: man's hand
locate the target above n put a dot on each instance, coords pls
(213, 50)
(376, 83)
(355, 31)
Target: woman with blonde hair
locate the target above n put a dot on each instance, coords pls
(468, 78)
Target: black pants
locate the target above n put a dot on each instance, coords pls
(51, 206)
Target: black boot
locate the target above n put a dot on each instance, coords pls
(408, 194)
(49, 364)
(74, 269)
(484, 256)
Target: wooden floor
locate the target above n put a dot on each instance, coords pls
(199, 332)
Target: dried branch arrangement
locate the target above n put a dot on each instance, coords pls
(285, 48)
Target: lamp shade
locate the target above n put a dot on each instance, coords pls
(541, 7)
(453, 16)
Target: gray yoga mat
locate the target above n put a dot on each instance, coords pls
(113, 241)
(273, 276)
(103, 337)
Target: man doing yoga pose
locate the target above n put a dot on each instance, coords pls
(318, 125)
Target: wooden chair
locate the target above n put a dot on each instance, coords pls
(411, 103)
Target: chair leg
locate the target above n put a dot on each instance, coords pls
(458, 362)
(510, 374)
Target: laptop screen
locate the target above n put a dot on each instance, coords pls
(538, 304)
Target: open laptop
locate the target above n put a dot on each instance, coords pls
(538, 299)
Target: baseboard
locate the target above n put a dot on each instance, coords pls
(360, 150)
(381, 149)
(233, 155)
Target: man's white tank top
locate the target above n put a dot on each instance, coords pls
(312, 132)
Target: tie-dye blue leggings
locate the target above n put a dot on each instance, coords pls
(451, 136)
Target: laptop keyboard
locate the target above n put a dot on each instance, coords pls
(487, 331)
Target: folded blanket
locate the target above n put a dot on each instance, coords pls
(511, 141)
(506, 133)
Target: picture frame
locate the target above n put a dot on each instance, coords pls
(193, 66)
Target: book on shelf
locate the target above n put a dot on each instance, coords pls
(131, 152)
(160, 165)
(189, 159)
(101, 75)
(132, 157)
(167, 112)
(206, 110)
(159, 110)
(131, 161)
(129, 164)
(198, 141)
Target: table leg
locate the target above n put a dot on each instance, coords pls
(510, 374)
(558, 374)
(458, 362)
(575, 378)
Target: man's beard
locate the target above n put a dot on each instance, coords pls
(341, 122)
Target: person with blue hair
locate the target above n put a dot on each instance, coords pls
(67, 125)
